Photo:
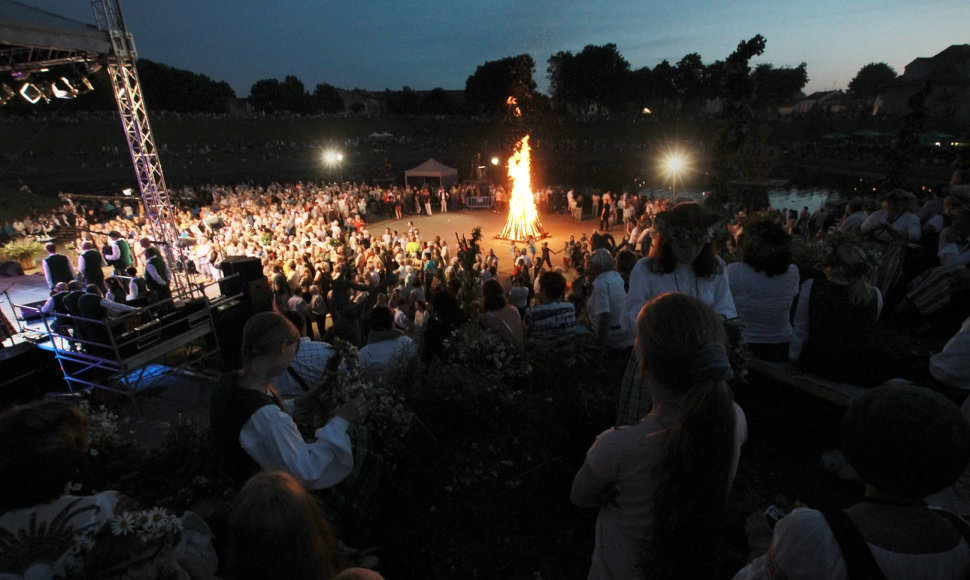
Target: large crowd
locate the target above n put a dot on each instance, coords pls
(651, 286)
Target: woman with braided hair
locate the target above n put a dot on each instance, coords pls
(661, 485)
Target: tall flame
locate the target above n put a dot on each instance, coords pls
(523, 220)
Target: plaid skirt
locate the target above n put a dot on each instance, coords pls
(931, 290)
(890, 267)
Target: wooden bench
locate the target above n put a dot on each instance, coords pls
(842, 394)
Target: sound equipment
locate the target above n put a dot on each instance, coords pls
(11, 269)
(248, 268)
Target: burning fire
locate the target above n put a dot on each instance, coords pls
(523, 220)
(514, 106)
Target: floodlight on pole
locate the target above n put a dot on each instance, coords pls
(334, 158)
(674, 164)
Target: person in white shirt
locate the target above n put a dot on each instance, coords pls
(894, 228)
(387, 348)
(854, 217)
(252, 430)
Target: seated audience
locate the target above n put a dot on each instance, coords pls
(905, 442)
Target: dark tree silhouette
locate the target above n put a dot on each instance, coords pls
(488, 89)
(327, 99)
(871, 80)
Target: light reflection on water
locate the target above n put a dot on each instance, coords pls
(778, 197)
(799, 197)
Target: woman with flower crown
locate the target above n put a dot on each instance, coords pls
(835, 320)
(661, 485)
(681, 259)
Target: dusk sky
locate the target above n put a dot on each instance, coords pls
(378, 44)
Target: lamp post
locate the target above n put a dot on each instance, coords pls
(334, 158)
(674, 164)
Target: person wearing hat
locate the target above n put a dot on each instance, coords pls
(934, 290)
(835, 318)
(681, 259)
(892, 229)
(119, 253)
(905, 442)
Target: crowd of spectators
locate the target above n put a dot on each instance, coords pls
(654, 302)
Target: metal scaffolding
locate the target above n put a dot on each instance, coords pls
(159, 211)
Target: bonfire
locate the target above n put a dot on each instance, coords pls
(523, 220)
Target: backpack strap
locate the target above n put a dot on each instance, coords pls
(859, 561)
(299, 380)
(959, 523)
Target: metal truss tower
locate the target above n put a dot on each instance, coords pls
(144, 156)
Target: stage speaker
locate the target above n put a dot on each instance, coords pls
(11, 269)
(248, 268)
(259, 294)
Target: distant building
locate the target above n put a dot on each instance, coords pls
(833, 102)
(949, 73)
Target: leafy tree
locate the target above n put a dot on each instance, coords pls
(437, 102)
(488, 89)
(664, 82)
(871, 80)
(171, 89)
(327, 99)
(266, 95)
(271, 95)
(737, 92)
(775, 85)
(596, 77)
(690, 78)
(295, 97)
(403, 102)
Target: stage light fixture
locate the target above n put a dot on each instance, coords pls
(6, 93)
(32, 93)
(67, 93)
(84, 86)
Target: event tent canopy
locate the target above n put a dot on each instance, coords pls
(433, 169)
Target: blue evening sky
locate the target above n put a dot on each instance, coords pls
(378, 44)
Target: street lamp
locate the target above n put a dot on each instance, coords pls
(334, 158)
(674, 164)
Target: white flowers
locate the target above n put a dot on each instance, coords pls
(123, 524)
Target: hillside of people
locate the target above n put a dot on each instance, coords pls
(438, 396)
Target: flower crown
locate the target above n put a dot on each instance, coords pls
(124, 539)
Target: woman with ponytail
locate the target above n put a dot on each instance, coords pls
(661, 485)
(253, 430)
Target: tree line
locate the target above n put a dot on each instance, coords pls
(595, 81)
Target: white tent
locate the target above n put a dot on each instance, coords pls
(433, 169)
